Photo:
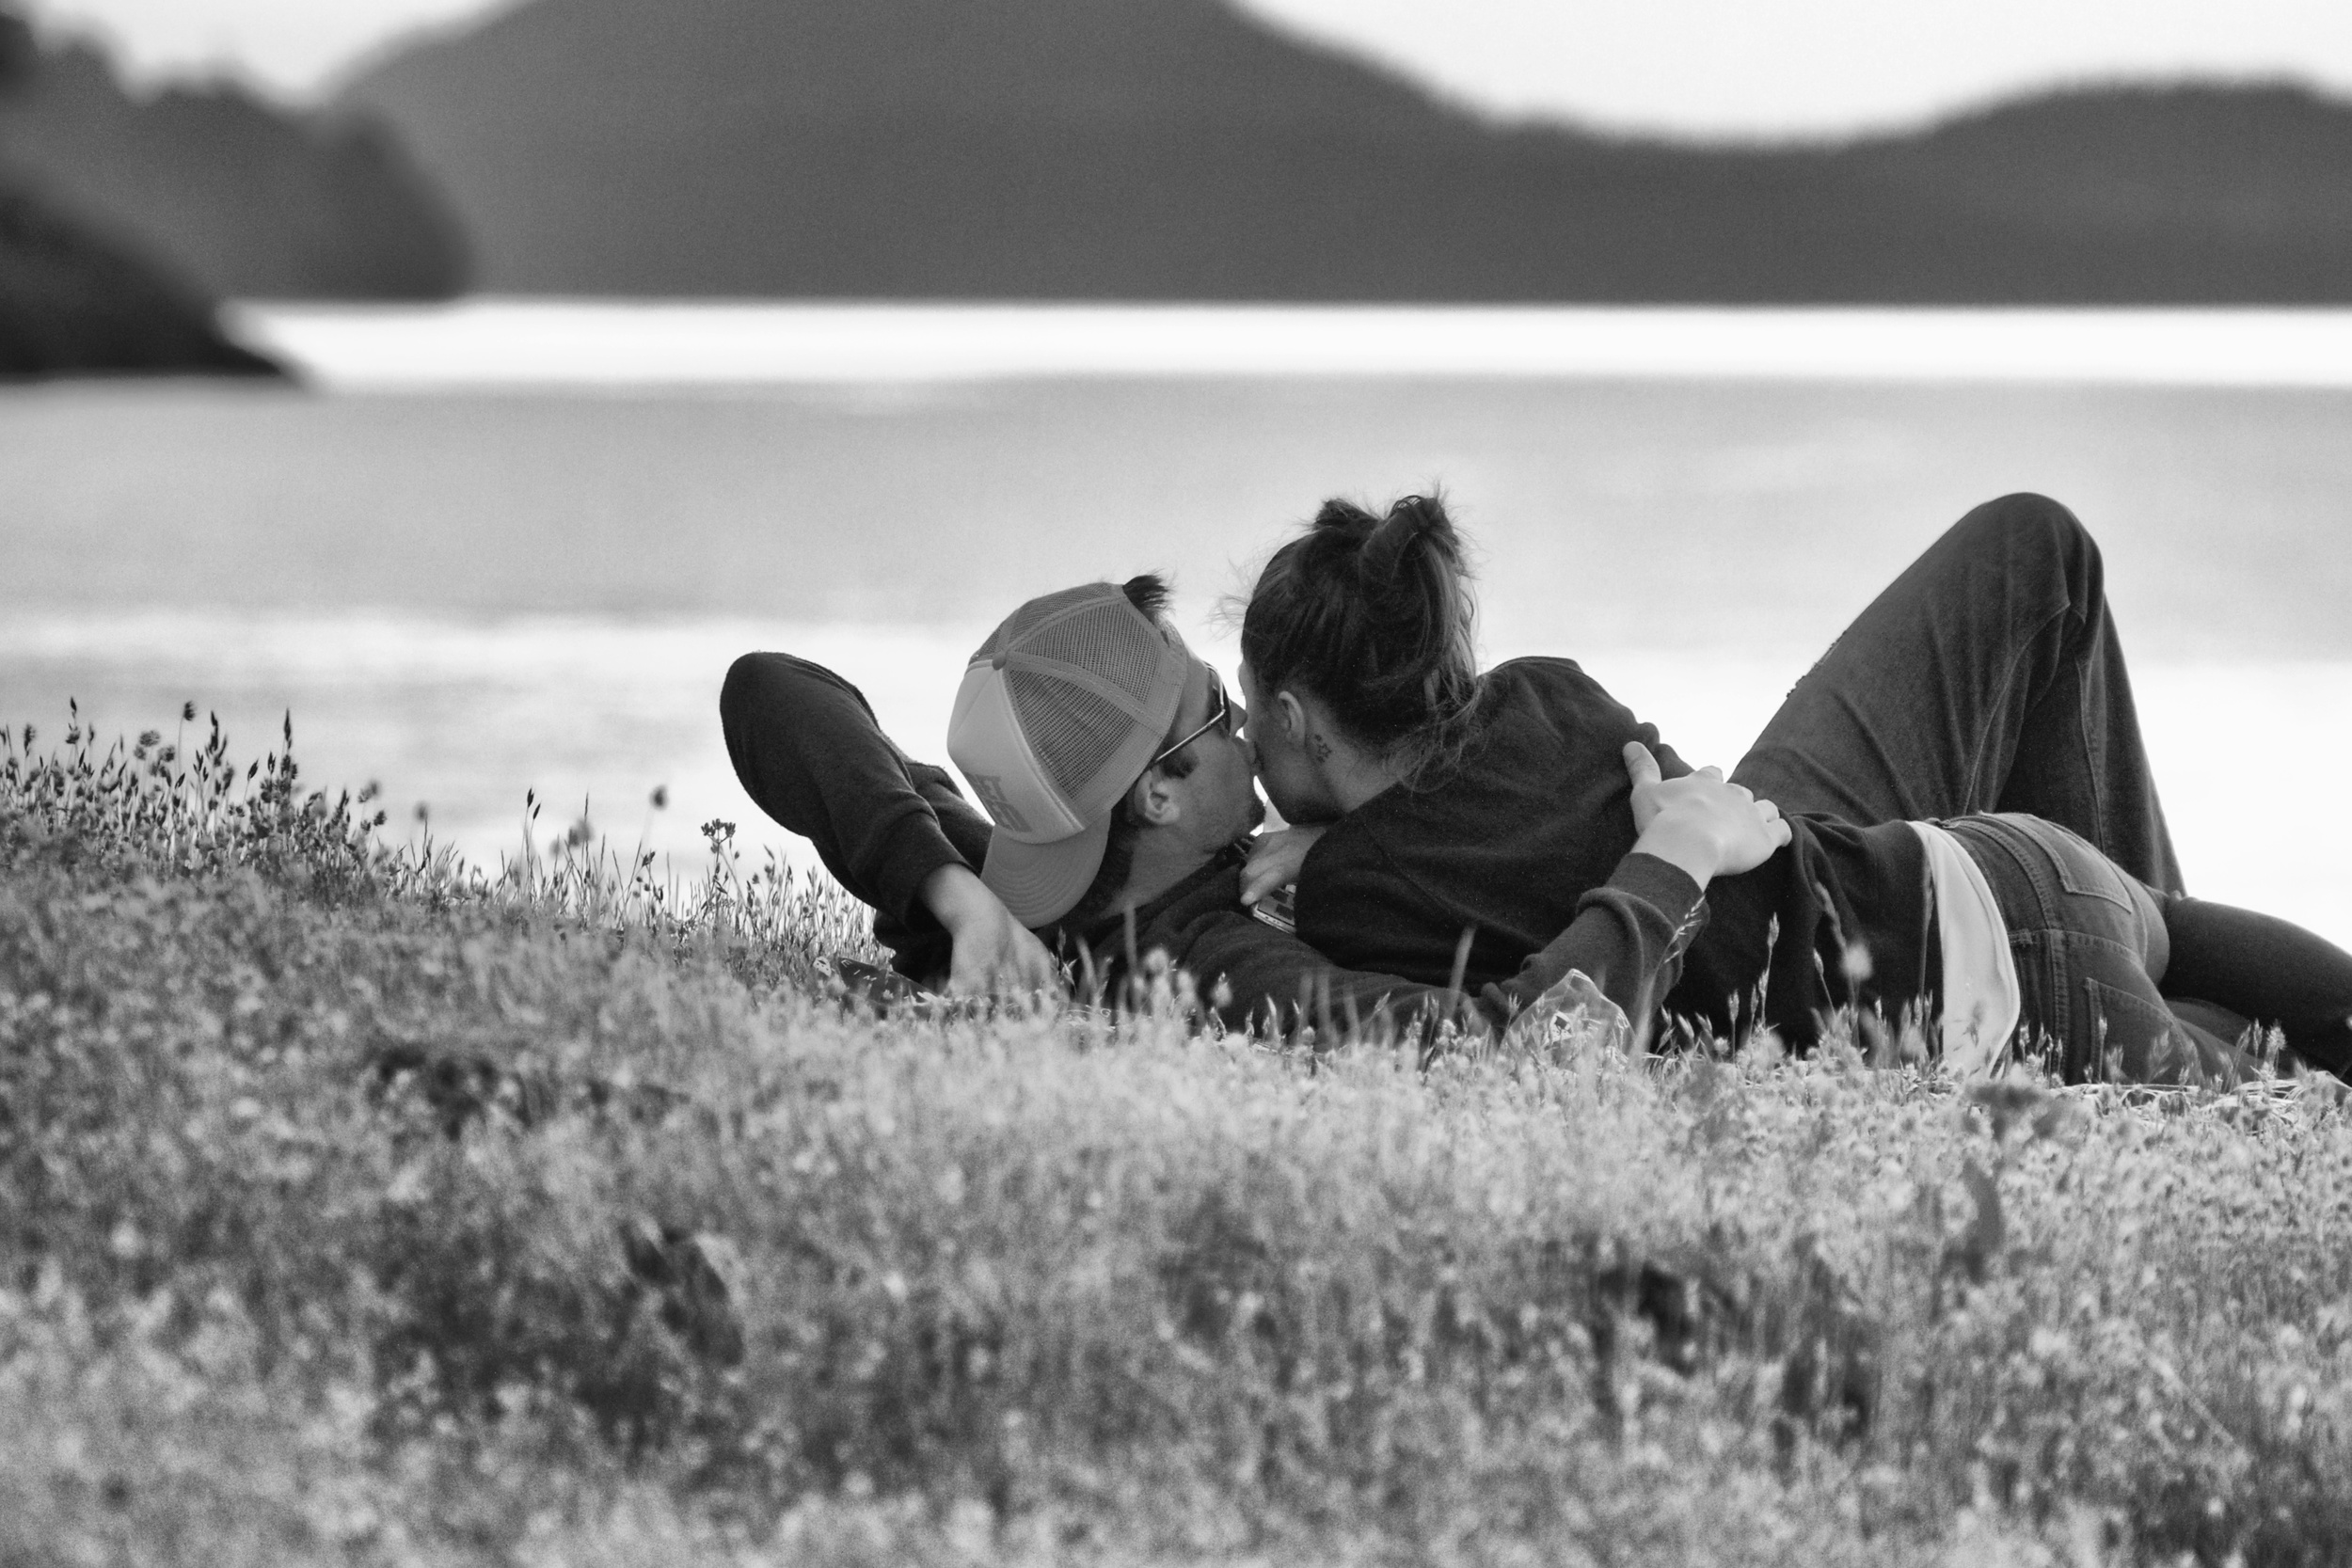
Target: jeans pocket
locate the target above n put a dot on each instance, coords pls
(2083, 870)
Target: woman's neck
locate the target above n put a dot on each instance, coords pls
(1357, 780)
(1351, 773)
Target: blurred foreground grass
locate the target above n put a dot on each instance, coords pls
(355, 1206)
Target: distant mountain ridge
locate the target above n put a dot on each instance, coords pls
(234, 195)
(1176, 148)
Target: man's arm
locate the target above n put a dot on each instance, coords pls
(896, 832)
(1627, 940)
(809, 752)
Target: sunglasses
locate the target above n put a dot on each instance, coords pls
(1220, 717)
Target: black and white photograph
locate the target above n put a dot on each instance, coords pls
(969, 783)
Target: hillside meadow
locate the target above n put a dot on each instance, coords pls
(358, 1205)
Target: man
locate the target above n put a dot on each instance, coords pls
(1117, 782)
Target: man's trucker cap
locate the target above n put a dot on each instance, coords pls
(1059, 713)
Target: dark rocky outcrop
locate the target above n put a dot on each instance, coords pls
(74, 302)
(71, 303)
(243, 197)
(1136, 149)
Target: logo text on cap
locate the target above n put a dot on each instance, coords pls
(991, 789)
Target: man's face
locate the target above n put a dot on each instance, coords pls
(1219, 798)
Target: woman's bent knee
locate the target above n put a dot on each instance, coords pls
(2026, 522)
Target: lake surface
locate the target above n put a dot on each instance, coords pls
(501, 548)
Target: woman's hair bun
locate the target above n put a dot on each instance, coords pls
(1416, 520)
(1374, 615)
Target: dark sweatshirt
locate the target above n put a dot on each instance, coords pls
(808, 749)
(1510, 840)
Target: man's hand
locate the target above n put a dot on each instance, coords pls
(1275, 860)
(994, 953)
(1706, 827)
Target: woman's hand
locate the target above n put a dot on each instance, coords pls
(994, 953)
(1699, 822)
(1275, 860)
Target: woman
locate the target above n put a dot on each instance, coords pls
(1975, 837)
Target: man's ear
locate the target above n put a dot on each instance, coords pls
(1154, 800)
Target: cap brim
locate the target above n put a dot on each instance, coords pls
(1042, 882)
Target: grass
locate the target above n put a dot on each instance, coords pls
(356, 1205)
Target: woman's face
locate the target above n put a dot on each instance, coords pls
(1285, 770)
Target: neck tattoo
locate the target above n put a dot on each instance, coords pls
(1320, 747)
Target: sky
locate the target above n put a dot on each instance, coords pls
(1702, 68)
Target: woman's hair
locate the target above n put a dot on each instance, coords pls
(1373, 616)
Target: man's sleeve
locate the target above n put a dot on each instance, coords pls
(810, 752)
(1626, 940)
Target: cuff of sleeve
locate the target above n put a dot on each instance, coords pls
(911, 851)
(1654, 894)
(1665, 887)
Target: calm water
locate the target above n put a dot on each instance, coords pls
(469, 585)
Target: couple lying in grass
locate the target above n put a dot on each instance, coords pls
(1951, 820)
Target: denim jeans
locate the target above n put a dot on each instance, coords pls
(1988, 678)
(2090, 946)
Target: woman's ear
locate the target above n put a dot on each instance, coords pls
(1294, 718)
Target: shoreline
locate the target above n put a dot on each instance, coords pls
(509, 343)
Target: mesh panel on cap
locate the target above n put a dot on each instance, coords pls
(1017, 625)
(1073, 731)
(1111, 642)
